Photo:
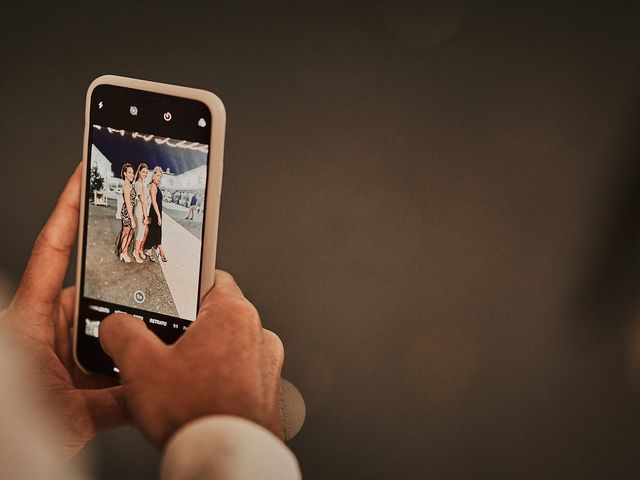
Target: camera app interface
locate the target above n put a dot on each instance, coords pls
(144, 228)
(144, 214)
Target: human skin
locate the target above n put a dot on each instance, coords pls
(40, 317)
(226, 363)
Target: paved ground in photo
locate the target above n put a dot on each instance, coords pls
(111, 280)
(178, 213)
(181, 270)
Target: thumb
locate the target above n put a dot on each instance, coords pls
(128, 341)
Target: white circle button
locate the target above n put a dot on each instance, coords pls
(139, 296)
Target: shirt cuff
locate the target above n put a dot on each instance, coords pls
(225, 447)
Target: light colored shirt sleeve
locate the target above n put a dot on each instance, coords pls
(27, 435)
(222, 447)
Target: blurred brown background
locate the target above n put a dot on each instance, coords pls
(436, 206)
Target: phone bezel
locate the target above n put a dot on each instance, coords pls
(214, 181)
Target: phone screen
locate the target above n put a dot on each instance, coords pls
(144, 214)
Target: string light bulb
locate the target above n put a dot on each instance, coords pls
(199, 147)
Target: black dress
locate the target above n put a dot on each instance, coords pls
(154, 237)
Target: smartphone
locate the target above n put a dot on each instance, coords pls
(152, 176)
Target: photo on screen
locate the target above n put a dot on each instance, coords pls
(143, 251)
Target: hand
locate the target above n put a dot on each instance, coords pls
(147, 221)
(225, 363)
(133, 223)
(40, 316)
(159, 221)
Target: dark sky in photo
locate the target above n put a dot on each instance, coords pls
(125, 149)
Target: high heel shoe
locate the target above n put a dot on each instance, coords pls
(138, 259)
(160, 255)
(125, 258)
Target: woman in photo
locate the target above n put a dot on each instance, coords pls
(127, 215)
(154, 236)
(141, 211)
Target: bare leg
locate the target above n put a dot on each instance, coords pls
(124, 244)
(127, 241)
(137, 251)
(148, 251)
(140, 243)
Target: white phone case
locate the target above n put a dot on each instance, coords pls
(214, 178)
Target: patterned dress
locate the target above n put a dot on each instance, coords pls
(124, 212)
(126, 222)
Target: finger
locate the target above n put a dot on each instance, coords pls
(288, 406)
(292, 407)
(225, 285)
(67, 303)
(273, 358)
(47, 266)
(62, 332)
(106, 408)
(128, 341)
(228, 316)
(224, 291)
(273, 350)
